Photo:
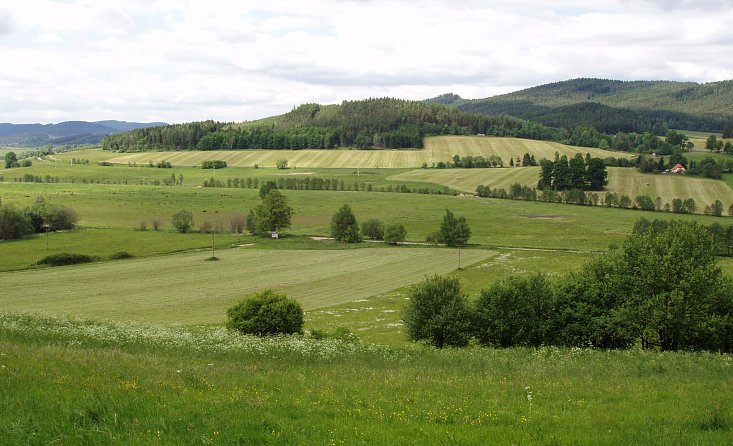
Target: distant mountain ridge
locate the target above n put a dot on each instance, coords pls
(68, 132)
(612, 105)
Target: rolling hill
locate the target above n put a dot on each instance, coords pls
(69, 132)
(612, 105)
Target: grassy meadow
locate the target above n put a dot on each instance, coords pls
(134, 351)
(82, 382)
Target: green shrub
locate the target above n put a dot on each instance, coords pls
(395, 233)
(514, 312)
(266, 313)
(66, 258)
(14, 223)
(437, 312)
(213, 164)
(182, 221)
(373, 229)
(121, 255)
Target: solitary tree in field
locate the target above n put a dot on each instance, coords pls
(344, 226)
(11, 160)
(437, 312)
(454, 231)
(273, 213)
(281, 164)
(182, 221)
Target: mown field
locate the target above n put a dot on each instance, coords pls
(438, 148)
(187, 289)
(626, 181)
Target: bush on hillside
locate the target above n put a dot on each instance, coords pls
(395, 233)
(121, 255)
(66, 258)
(266, 313)
(373, 229)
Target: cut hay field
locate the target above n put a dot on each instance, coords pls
(438, 148)
(187, 289)
(626, 181)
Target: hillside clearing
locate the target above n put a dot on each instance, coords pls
(185, 289)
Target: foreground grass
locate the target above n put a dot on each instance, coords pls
(185, 288)
(80, 382)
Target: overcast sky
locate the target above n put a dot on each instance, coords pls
(186, 60)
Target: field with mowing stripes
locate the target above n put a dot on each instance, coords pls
(186, 289)
(620, 180)
(438, 148)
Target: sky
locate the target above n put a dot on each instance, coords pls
(186, 60)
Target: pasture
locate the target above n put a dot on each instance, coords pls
(493, 222)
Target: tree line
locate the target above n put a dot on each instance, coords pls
(661, 290)
(610, 199)
(317, 183)
(371, 123)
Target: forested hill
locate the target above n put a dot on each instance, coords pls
(611, 106)
(371, 123)
(69, 132)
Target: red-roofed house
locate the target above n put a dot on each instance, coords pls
(679, 168)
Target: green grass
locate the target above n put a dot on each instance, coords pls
(185, 289)
(377, 318)
(87, 383)
(110, 212)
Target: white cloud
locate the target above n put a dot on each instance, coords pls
(6, 22)
(186, 60)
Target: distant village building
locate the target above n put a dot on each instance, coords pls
(679, 168)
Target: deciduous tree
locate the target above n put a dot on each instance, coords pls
(437, 312)
(454, 231)
(344, 226)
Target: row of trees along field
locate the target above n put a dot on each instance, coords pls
(372, 123)
(610, 199)
(661, 290)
